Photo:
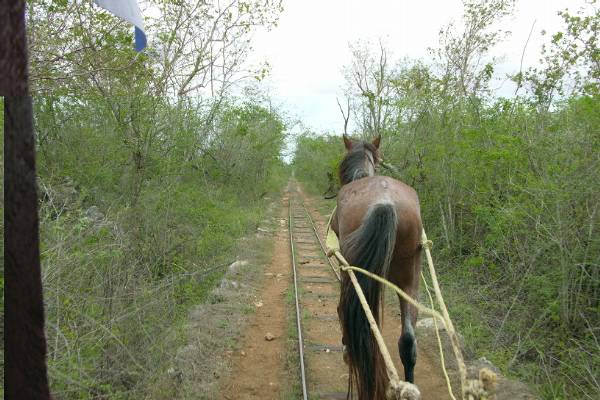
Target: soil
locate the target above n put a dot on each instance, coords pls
(258, 365)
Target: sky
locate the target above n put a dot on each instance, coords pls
(310, 46)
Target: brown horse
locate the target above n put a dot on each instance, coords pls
(378, 223)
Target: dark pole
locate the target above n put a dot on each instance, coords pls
(25, 371)
(13, 49)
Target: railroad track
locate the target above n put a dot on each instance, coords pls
(316, 286)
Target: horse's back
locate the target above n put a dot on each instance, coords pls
(356, 198)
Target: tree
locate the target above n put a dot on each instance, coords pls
(571, 64)
(463, 56)
(367, 80)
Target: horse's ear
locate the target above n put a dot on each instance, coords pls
(377, 141)
(347, 142)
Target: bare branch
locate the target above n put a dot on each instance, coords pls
(345, 115)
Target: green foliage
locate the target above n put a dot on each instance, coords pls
(143, 190)
(464, 57)
(316, 161)
(248, 148)
(514, 208)
(570, 64)
(135, 215)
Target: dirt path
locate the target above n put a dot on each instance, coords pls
(257, 371)
(259, 368)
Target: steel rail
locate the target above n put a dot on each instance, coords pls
(337, 274)
(298, 321)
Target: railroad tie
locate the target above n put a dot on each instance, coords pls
(324, 348)
(317, 279)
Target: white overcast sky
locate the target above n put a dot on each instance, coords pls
(309, 47)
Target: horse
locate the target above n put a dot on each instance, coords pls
(378, 223)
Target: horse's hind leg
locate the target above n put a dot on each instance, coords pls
(407, 344)
(341, 318)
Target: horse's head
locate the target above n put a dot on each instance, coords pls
(360, 160)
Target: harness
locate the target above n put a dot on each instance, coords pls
(370, 158)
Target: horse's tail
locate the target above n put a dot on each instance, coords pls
(370, 247)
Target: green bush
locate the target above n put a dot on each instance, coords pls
(133, 224)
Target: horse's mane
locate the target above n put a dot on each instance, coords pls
(352, 166)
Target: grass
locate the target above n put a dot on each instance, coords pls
(213, 327)
(119, 309)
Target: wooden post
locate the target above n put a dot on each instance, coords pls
(24, 338)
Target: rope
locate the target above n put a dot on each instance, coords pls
(471, 389)
(439, 340)
(447, 321)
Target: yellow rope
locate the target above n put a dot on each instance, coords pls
(439, 340)
(402, 293)
(447, 321)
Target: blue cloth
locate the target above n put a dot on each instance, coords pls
(129, 11)
(140, 39)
